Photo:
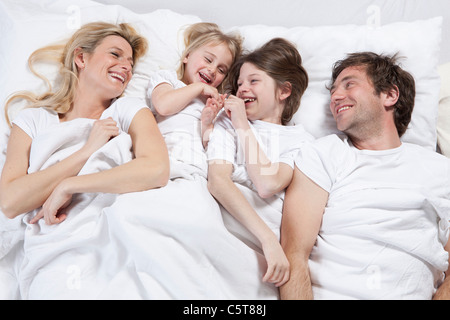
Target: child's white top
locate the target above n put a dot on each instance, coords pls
(181, 131)
(194, 109)
(280, 144)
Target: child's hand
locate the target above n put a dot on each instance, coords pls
(211, 110)
(209, 113)
(278, 268)
(208, 91)
(235, 110)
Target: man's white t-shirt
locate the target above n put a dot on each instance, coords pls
(386, 221)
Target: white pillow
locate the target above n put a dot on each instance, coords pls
(27, 26)
(321, 47)
(443, 124)
(164, 31)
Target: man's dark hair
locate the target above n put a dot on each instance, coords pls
(385, 74)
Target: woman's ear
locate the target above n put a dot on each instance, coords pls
(285, 91)
(79, 58)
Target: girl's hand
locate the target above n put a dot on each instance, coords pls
(278, 268)
(208, 91)
(235, 110)
(211, 109)
(102, 131)
(52, 208)
(208, 116)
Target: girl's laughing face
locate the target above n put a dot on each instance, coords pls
(208, 64)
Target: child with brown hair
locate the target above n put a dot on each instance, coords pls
(251, 144)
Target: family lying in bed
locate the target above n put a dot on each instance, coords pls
(109, 198)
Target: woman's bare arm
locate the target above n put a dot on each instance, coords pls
(149, 169)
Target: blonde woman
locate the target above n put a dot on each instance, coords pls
(96, 66)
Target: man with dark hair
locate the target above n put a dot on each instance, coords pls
(366, 216)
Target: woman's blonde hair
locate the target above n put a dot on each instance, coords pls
(204, 33)
(88, 37)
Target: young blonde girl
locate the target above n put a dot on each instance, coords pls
(252, 142)
(204, 65)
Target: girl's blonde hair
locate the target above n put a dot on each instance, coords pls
(204, 33)
(88, 37)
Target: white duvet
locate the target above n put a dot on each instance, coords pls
(167, 243)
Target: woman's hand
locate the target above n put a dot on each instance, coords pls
(102, 131)
(52, 209)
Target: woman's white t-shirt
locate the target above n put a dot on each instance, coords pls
(34, 120)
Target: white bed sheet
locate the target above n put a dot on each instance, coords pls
(157, 253)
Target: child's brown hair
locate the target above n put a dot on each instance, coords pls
(281, 60)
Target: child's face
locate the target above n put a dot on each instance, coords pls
(208, 64)
(260, 94)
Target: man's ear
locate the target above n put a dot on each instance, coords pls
(391, 97)
(79, 58)
(285, 91)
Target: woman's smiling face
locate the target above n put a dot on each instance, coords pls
(109, 67)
